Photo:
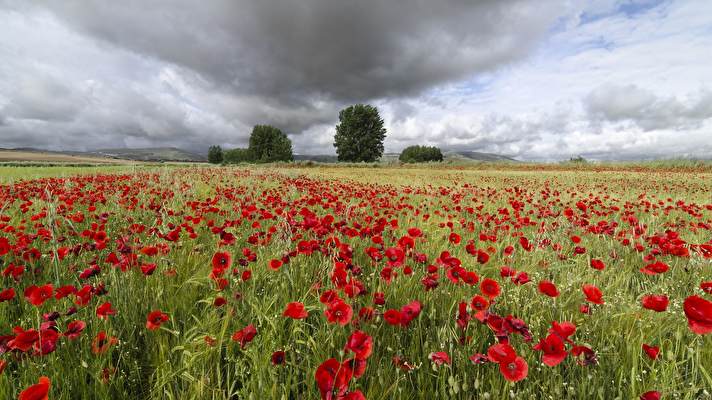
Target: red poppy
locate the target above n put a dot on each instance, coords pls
(338, 312)
(563, 329)
(548, 288)
(514, 371)
(278, 357)
(275, 264)
(490, 288)
(501, 353)
(657, 267)
(699, 314)
(393, 317)
(148, 269)
(454, 238)
(651, 395)
(74, 329)
(24, 339)
(409, 312)
(104, 310)
(553, 348)
(706, 287)
(653, 302)
(245, 335)
(593, 294)
(295, 310)
(332, 378)
(39, 391)
(7, 295)
(479, 303)
(222, 260)
(597, 264)
(3, 365)
(361, 344)
(439, 358)
(37, 295)
(102, 342)
(651, 351)
(155, 319)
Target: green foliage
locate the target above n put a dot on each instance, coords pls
(215, 155)
(239, 155)
(359, 134)
(416, 154)
(269, 144)
(578, 159)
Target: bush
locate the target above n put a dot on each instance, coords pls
(416, 154)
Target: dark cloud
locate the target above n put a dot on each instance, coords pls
(345, 50)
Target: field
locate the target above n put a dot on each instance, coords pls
(498, 281)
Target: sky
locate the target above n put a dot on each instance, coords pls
(537, 80)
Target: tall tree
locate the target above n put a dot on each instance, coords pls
(359, 134)
(215, 155)
(269, 144)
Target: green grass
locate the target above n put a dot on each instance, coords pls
(175, 362)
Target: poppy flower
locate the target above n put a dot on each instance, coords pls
(278, 357)
(74, 329)
(548, 288)
(439, 358)
(7, 295)
(24, 339)
(245, 335)
(102, 342)
(222, 260)
(657, 267)
(699, 314)
(554, 350)
(515, 370)
(490, 288)
(339, 312)
(361, 344)
(478, 358)
(593, 294)
(706, 287)
(104, 310)
(38, 391)
(501, 353)
(409, 312)
(332, 378)
(393, 317)
(295, 310)
(651, 351)
(275, 264)
(148, 269)
(3, 365)
(651, 395)
(155, 319)
(563, 329)
(37, 295)
(479, 303)
(597, 264)
(653, 302)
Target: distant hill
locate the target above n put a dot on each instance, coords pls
(450, 156)
(30, 155)
(151, 154)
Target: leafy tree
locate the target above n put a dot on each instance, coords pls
(359, 134)
(416, 154)
(269, 144)
(215, 155)
(236, 156)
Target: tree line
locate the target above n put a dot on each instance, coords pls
(359, 138)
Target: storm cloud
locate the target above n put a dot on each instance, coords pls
(524, 78)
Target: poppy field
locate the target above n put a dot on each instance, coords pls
(356, 283)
